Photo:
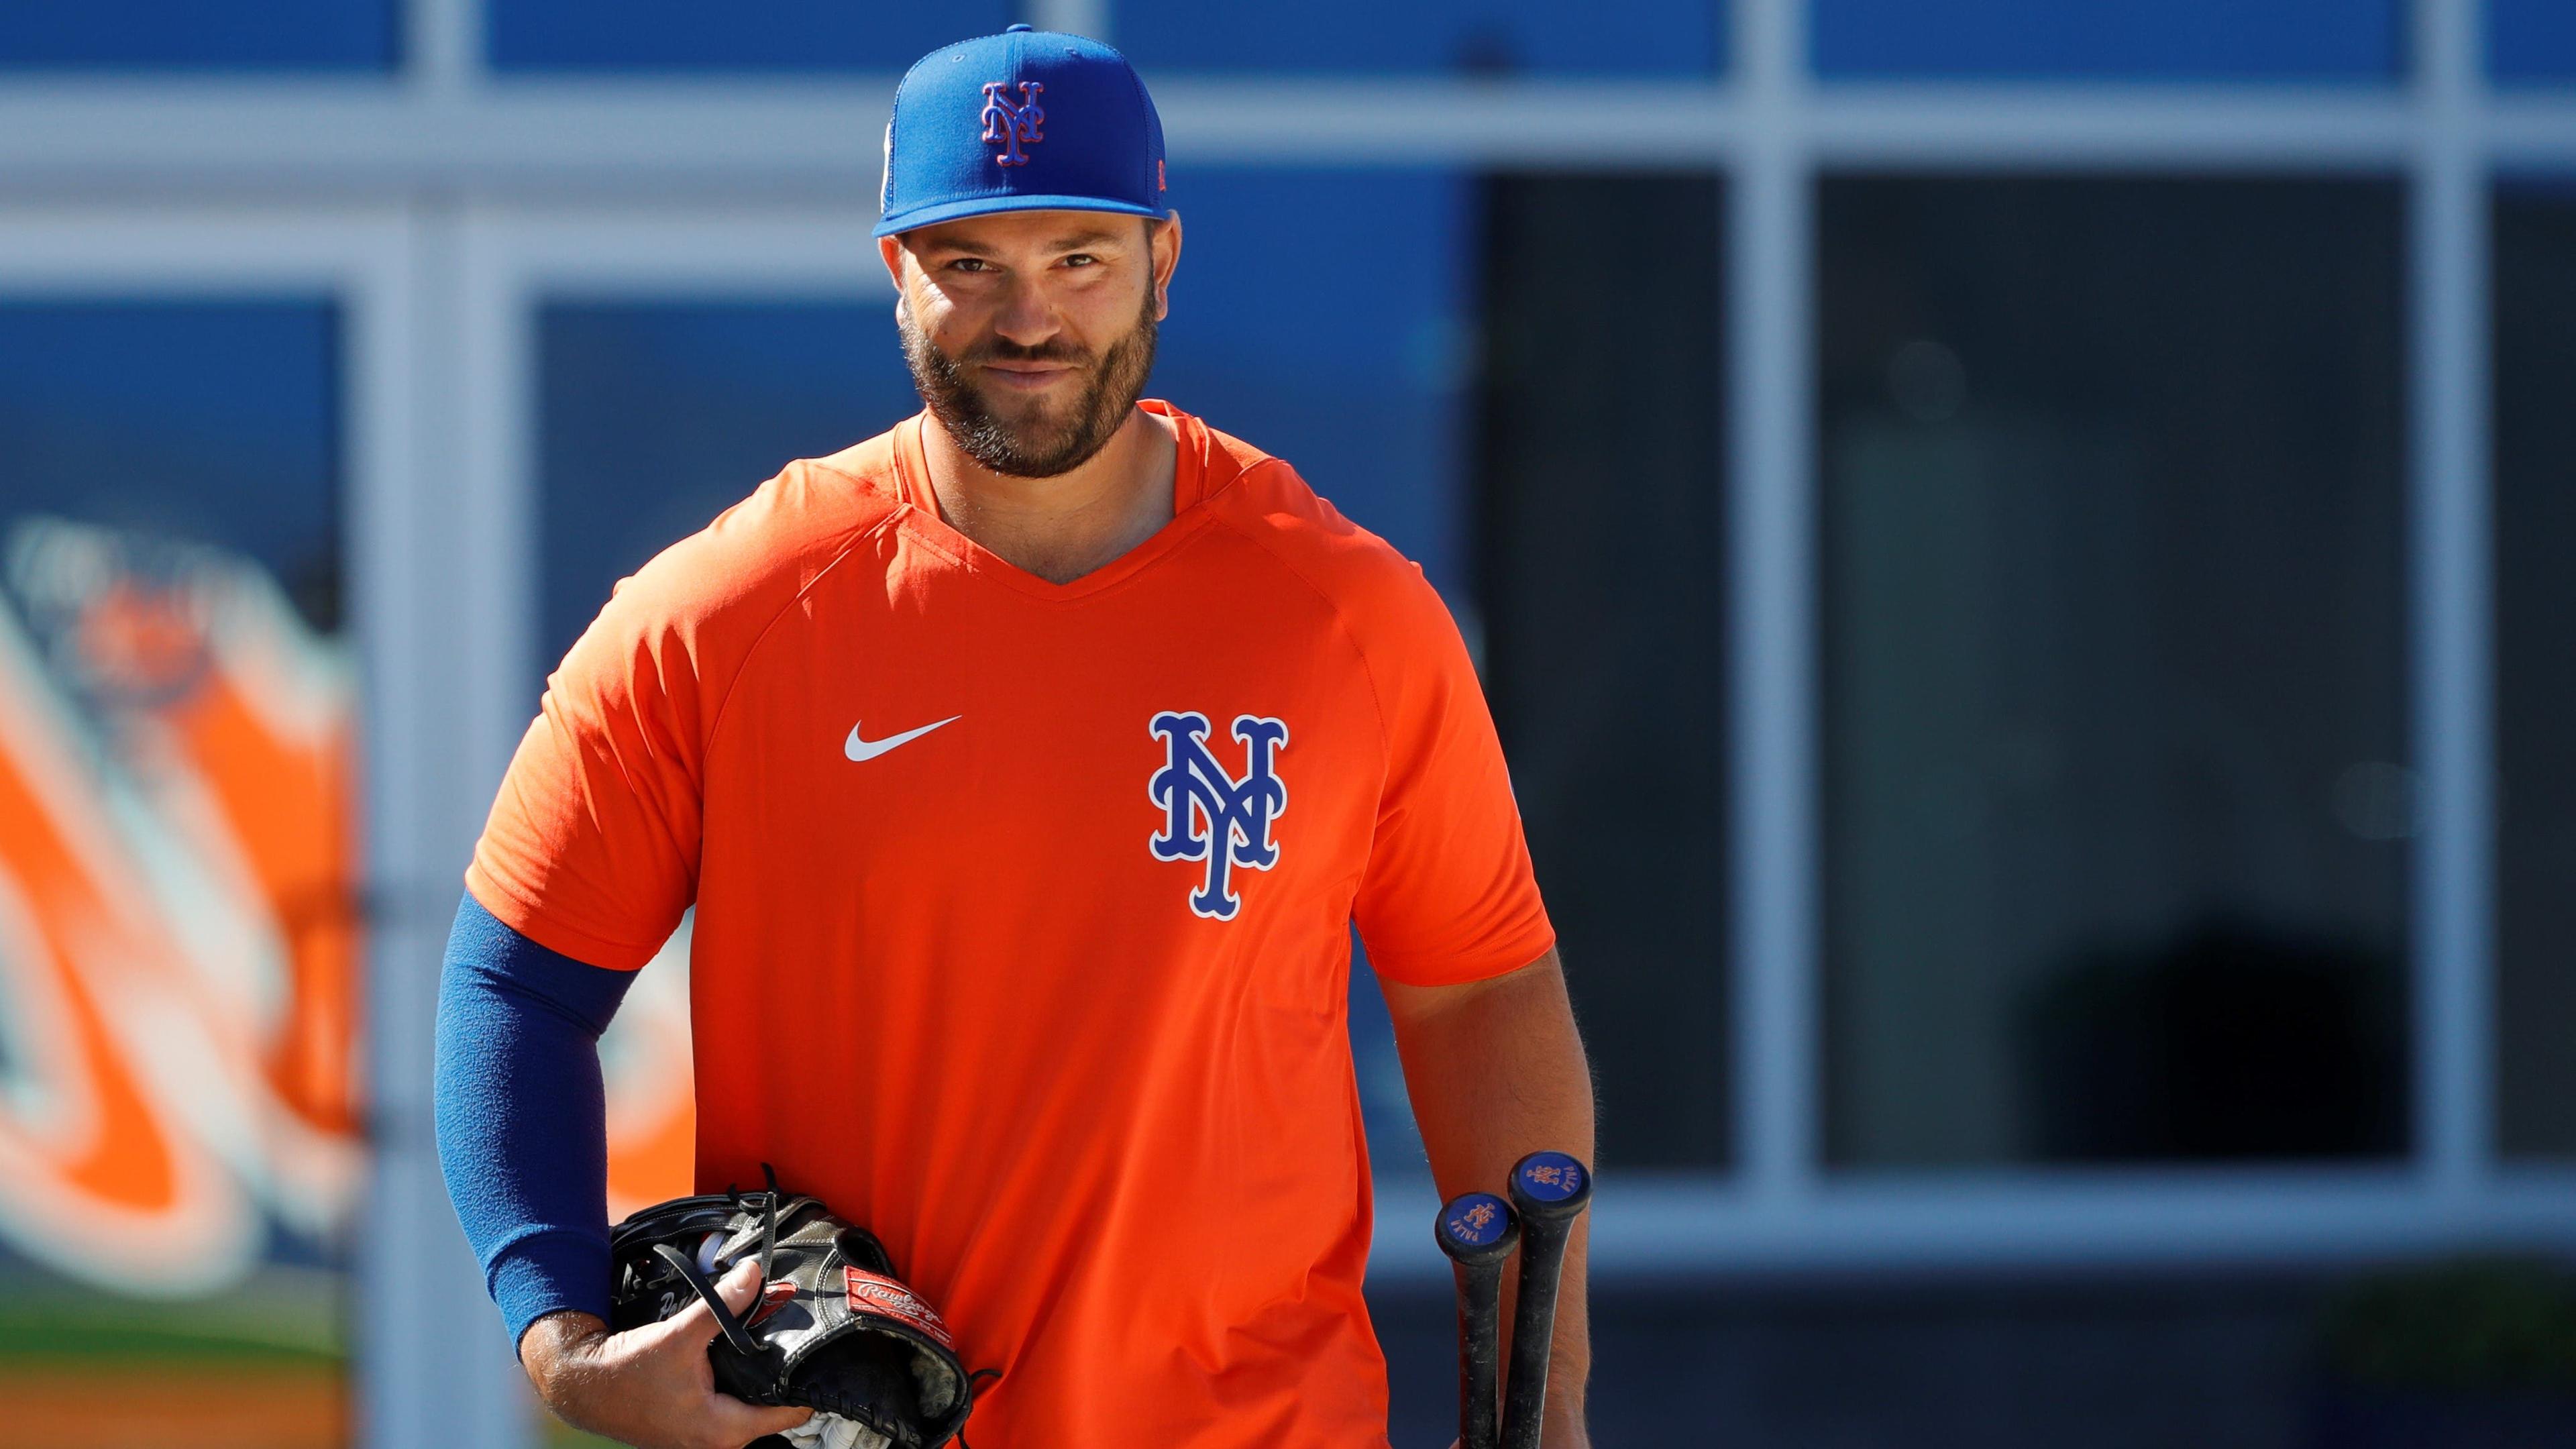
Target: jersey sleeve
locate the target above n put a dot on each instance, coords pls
(591, 849)
(1448, 895)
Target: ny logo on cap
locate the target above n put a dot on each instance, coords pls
(1013, 126)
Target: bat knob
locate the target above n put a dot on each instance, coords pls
(1550, 1187)
(1477, 1228)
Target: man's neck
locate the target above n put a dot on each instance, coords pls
(1063, 527)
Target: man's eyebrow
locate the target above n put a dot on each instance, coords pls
(1070, 242)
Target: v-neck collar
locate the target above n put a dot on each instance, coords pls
(1189, 491)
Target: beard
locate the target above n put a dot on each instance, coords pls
(1037, 443)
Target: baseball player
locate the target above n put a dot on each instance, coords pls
(1028, 766)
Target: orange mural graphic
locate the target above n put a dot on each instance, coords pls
(181, 940)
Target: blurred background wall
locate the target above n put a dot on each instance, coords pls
(2017, 546)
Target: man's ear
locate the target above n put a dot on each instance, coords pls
(890, 250)
(1164, 240)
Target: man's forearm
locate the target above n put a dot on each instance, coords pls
(1496, 1071)
(521, 1119)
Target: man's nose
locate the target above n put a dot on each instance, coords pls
(1027, 317)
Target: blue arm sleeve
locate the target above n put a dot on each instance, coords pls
(522, 1116)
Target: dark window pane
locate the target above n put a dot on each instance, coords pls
(2311, 40)
(1652, 37)
(701, 35)
(657, 416)
(1598, 446)
(2531, 40)
(2115, 762)
(196, 35)
(2535, 535)
(179, 935)
(1352, 373)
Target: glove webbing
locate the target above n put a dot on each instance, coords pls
(734, 1331)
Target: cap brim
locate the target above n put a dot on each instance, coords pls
(990, 205)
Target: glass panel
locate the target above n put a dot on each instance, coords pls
(195, 35)
(1598, 468)
(1363, 395)
(2535, 534)
(1484, 37)
(2115, 762)
(2531, 40)
(2310, 40)
(179, 933)
(659, 415)
(703, 35)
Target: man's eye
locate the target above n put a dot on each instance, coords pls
(1081, 259)
(970, 264)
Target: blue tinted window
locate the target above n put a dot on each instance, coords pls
(210, 422)
(2531, 40)
(1649, 37)
(2358, 40)
(657, 416)
(788, 35)
(196, 35)
(1351, 373)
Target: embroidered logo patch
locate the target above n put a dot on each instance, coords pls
(1212, 815)
(1013, 126)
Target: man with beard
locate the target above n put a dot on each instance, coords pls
(974, 746)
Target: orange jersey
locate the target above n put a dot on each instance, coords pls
(1024, 909)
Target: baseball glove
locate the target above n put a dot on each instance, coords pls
(834, 1331)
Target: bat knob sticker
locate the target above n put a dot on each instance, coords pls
(1551, 1185)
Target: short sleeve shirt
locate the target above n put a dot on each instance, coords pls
(1024, 909)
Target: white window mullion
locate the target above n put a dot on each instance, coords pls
(1071, 17)
(2452, 615)
(430, 608)
(1770, 545)
(443, 46)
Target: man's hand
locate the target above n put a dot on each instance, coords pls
(651, 1387)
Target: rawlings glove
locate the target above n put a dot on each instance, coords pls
(834, 1330)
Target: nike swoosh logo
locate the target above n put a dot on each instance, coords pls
(859, 749)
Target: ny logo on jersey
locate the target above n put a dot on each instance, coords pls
(1210, 815)
(1013, 126)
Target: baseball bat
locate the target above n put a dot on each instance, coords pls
(1477, 1231)
(1549, 1190)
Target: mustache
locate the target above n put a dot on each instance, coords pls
(1001, 350)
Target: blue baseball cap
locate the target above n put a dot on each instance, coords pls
(1027, 120)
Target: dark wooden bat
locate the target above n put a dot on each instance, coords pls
(1549, 1190)
(1477, 1231)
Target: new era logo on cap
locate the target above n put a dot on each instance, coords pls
(1027, 120)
